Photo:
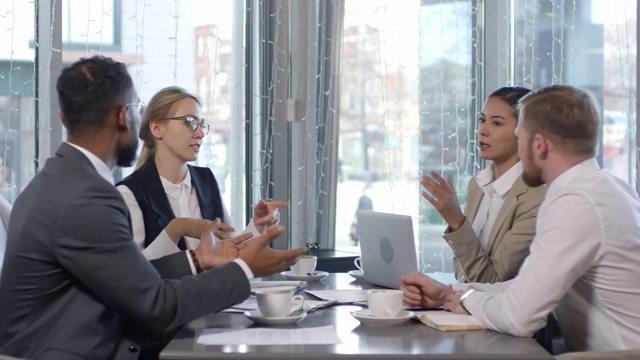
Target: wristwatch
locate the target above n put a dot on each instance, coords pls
(464, 297)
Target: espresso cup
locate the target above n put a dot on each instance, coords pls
(358, 263)
(305, 265)
(278, 303)
(384, 303)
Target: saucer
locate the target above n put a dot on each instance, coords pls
(292, 319)
(316, 276)
(356, 274)
(365, 318)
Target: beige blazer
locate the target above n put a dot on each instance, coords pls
(509, 239)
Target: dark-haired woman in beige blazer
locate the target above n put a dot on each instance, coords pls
(491, 239)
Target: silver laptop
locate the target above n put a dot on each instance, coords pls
(387, 247)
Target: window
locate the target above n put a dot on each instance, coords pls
(88, 22)
(17, 108)
(406, 100)
(188, 44)
(343, 98)
(591, 44)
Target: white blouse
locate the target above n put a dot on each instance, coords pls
(183, 200)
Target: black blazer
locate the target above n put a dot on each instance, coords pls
(147, 188)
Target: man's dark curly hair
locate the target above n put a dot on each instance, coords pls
(89, 89)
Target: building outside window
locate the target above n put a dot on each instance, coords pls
(410, 77)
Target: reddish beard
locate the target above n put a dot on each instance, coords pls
(531, 175)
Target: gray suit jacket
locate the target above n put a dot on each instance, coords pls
(76, 286)
(509, 239)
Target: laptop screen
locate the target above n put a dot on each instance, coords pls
(387, 247)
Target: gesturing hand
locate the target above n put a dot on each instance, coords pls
(223, 230)
(263, 260)
(212, 251)
(420, 290)
(266, 214)
(443, 198)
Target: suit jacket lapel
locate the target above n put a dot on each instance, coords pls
(518, 188)
(202, 191)
(474, 197)
(158, 201)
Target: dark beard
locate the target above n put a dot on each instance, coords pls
(127, 155)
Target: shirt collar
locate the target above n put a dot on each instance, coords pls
(173, 190)
(100, 166)
(573, 173)
(503, 184)
(485, 177)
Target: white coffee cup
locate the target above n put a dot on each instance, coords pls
(384, 303)
(278, 303)
(305, 265)
(358, 263)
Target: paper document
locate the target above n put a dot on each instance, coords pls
(341, 296)
(295, 286)
(447, 321)
(270, 336)
(252, 304)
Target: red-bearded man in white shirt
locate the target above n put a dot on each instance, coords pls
(585, 258)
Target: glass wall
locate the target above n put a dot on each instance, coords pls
(183, 43)
(346, 113)
(17, 106)
(415, 74)
(591, 44)
(407, 97)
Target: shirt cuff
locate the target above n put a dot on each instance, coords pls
(250, 229)
(245, 268)
(460, 286)
(161, 246)
(191, 265)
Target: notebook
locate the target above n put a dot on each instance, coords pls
(448, 321)
(294, 286)
(387, 247)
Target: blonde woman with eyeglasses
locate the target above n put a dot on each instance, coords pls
(171, 202)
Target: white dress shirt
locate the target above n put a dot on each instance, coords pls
(98, 164)
(584, 263)
(495, 191)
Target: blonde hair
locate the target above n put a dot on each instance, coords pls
(158, 108)
(570, 116)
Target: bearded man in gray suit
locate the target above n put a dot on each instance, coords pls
(74, 284)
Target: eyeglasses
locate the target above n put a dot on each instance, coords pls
(192, 123)
(141, 106)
